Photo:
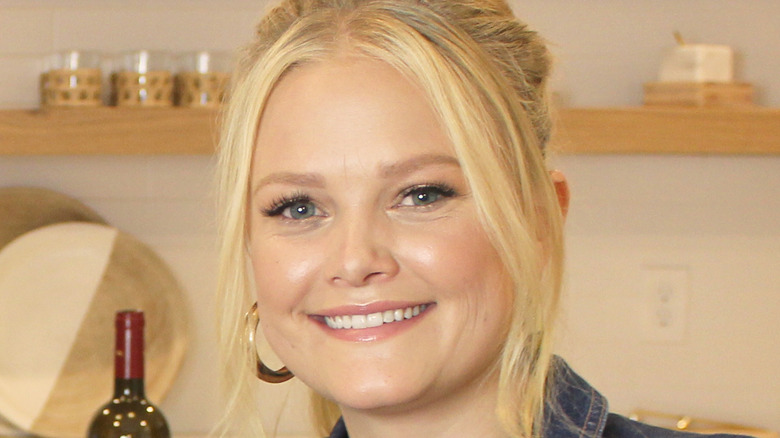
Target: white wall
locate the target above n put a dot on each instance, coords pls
(717, 216)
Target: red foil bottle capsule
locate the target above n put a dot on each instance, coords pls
(129, 414)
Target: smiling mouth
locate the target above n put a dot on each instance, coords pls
(374, 319)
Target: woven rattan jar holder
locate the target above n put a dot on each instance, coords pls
(204, 90)
(66, 87)
(154, 88)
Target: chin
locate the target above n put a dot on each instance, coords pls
(375, 397)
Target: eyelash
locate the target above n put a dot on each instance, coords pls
(445, 190)
(279, 205)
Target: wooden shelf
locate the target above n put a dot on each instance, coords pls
(638, 130)
(107, 131)
(669, 130)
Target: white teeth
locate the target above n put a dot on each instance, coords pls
(358, 321)
(373, 319)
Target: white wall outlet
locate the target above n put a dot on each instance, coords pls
(664, 306)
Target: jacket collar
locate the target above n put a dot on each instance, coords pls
(574, 408)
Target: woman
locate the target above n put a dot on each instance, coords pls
(385, 202)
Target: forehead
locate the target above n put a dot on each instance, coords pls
(345, 108)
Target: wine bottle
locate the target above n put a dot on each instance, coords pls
(129, 414)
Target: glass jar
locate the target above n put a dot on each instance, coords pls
(143, 78)
(202, 79)
(71, 78)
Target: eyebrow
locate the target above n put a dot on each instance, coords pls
(415, 163)
(386, 171)
(292, 178)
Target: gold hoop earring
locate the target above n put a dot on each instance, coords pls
(251, 320)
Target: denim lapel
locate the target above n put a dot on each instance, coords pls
(574, 409)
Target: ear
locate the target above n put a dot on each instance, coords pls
(562, 190)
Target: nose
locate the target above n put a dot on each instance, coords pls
(361, 252)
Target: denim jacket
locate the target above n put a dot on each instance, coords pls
(579, 411)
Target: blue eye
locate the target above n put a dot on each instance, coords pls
(421, 196)
(297, 207)
(300, 210)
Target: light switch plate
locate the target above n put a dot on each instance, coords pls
(664, 306)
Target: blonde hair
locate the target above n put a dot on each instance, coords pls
(484, 73)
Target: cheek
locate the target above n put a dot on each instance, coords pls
(472, 275)
(281, 274)
(282, 278)
(459, 258)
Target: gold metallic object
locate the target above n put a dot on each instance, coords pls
(251, 320)
(698, 425)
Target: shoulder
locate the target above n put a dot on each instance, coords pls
(618, 426)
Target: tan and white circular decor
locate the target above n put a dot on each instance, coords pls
(25, 208)
(60, 286)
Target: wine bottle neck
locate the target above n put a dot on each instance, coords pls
(129, 356)
(129, 388)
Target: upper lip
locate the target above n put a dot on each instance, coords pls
(365, 309)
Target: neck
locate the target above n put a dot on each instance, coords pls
(132, 388)
(470, 412)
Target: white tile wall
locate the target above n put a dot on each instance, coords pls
(160, 28)
(19, 79)
(716, 215)
(725, 366)
(703, 196)
(25, 31)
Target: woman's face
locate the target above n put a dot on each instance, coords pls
(377, 285)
